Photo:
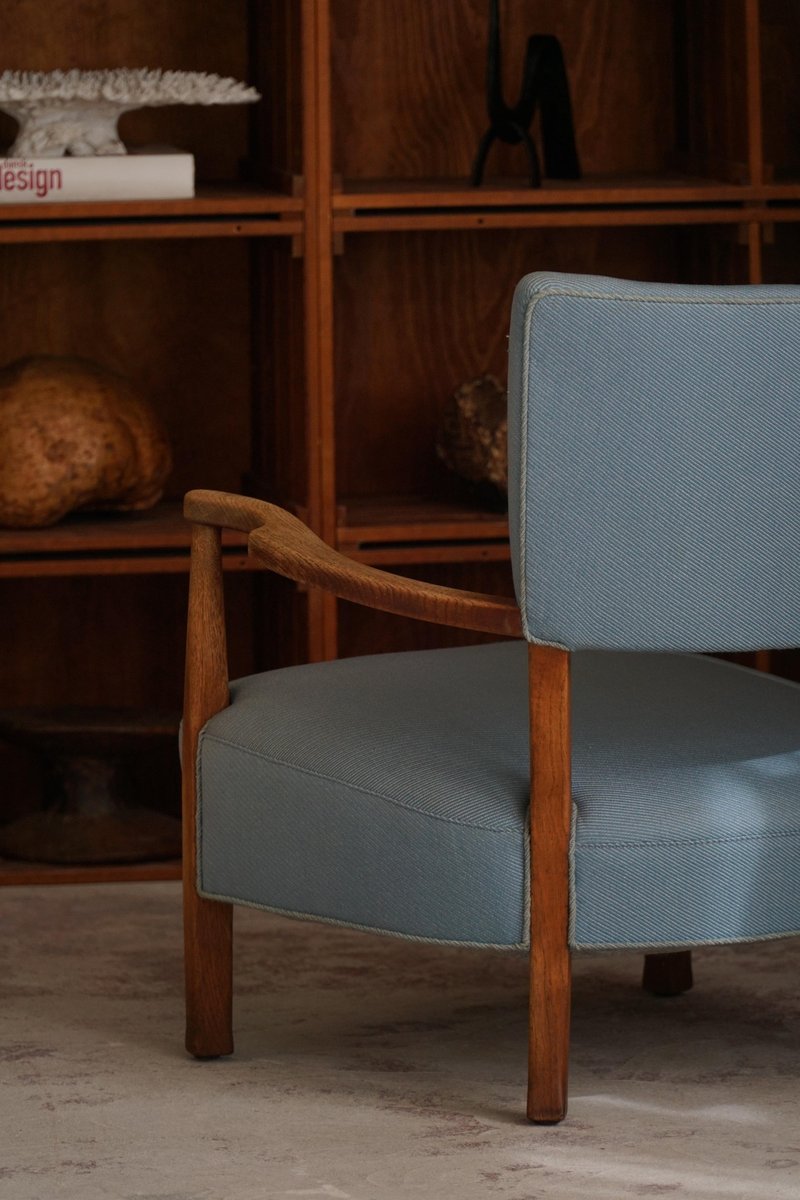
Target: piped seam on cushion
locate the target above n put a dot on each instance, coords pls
(577, 294)
(698, 841)
(523, 481)
(211, 737)
(533, 298)
(682, 945)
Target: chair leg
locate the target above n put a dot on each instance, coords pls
(667, 974)
(207, 924)
(551, 810)
(208, 950)
(548, 1035)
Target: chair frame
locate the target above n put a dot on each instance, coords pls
(280, 542)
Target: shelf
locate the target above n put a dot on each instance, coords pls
(156, 541)
(372, 205)
(409, 529)
(325, 374)
(367, 196)
(216, 211)
(16, 873)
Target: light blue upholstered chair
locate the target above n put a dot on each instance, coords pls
(597, 783)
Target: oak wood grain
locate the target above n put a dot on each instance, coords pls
(284, 544)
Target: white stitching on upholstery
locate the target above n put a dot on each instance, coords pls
(700, 841)
(675, 299)
(739, 941)
(523, 478)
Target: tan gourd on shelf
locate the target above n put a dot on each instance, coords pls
(75, 435)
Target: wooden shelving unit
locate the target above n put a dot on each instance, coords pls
(394, 530)
(200, 303)
(302, 322)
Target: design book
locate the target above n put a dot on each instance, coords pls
(145, 175)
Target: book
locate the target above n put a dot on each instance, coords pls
(150, 174)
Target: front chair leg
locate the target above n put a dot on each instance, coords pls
(208, 949)
(550, 816)
(548, 1038)
(667, 974)
(207, 924)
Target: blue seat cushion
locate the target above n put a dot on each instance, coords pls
(391, 792)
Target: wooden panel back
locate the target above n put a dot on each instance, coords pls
(712, 88)
(116, 641)
(780, 37)
(408, 83)
(412, 325)
(171, 316)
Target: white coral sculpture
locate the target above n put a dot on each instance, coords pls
(76, 112)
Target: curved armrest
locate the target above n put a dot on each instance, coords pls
(281, 542)
(224, 510)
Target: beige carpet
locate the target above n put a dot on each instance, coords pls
(369, 1069)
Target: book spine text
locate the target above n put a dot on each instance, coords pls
(18, 175)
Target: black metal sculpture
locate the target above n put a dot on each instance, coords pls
(544, 83)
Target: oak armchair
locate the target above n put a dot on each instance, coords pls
(596, 781)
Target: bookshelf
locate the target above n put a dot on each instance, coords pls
(301, 322)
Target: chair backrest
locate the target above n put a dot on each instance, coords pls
(654, 464)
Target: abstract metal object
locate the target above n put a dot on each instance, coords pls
(544, 82)
(76, 112)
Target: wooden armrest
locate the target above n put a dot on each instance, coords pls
(225, 510)
(285, 545)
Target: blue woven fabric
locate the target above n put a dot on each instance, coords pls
(654, 467)
(654, 506)
(387, 792)
(391, 792)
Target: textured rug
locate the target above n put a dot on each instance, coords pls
(372, 1069)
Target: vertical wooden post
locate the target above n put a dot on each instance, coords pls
(755, 139)
(321, 431)
(207, 924)
(551, 812)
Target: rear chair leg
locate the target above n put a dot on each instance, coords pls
(208, 943)
(548, 1039)
(667, 974)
